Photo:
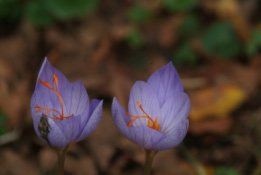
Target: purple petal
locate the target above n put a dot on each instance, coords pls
(119, 117)
(35, 117)
(174, 138)
(145, 136)
(46, 97)
(94, 105)
(94, 119)
(67, 129)
(71, 128)
(76, 100)
(143, 93)
(175, 109)
(56, 136)
(165, 82)
(141, 135)
(46, 74)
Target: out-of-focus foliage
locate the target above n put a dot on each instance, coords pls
(9, 19)
(185, 55)
(254, 43)
(6, 5)
(220, 39)
(178, 5)
(135, 39)
(3, 121)
(189, 27)
(45, 12)
(67, 9)
(139, 14)
(226, 171)
(38, 14)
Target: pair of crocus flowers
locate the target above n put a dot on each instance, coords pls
(156, 118)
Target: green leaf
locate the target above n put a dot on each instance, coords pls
(139, 14)
(226, 171)
(3, 122)
(179, 5)
(68, 9)
(254, 43)
(38, 14)
(220, 39)
(189, 27)
(6, 6)
(185, 55)
(135, 39)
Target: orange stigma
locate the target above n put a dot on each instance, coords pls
(56, 90)
(151, 124)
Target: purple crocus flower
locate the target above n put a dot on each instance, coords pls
(61, 112)
(157, 111)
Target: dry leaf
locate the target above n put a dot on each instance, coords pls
(215, 101)
(214, 125)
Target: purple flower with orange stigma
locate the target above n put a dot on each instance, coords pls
(61, 112)
(157, 111)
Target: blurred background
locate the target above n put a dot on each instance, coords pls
(108, 45)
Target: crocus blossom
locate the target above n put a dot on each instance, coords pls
(61, 111)
(157, 111)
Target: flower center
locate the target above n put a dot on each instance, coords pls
(57, 92)
(151, 123)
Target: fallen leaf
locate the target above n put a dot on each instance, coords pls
(215, 101)
(213, 125)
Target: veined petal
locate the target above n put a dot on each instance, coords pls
(46, 74)
(56, 136)
(94, 104)
(174, 138)
(36, 117)
(71, 128)
(94, 119)
(175, 109)
(119, 117)
(145, 137)
(165, 82)
(76, 100)
(141, 135)
(46, 99)
(60, 110)
(61, 132)
(159, 120)
(143, 94)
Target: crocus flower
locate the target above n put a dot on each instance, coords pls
(157, 111)
(61, 112)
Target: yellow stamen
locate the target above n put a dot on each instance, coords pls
(154, 124)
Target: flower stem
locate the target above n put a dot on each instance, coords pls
(198, 167)
(149, 155)
(61, 160)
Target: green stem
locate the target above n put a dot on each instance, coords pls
(61, 160)
(149, 155)
(198, 167)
